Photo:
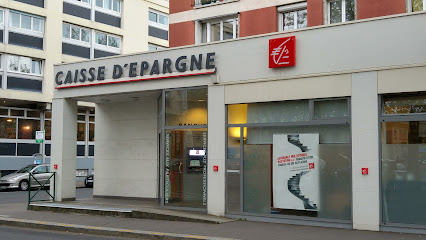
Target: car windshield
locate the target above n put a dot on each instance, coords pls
(26, 169)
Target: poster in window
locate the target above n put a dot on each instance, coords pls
(296, 171)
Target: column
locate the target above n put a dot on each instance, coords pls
(365, 152)
(216, 151)
(64, 147)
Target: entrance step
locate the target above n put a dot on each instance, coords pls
(143, 213)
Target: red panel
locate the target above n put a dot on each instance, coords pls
(258, 21)
(180, 6)
(377, 8)
(182, 34)
(282, 52)
(315, 13)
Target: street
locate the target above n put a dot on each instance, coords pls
(13, 233)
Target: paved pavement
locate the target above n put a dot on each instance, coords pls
(16, 214)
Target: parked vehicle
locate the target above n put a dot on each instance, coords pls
(89, 181)
(19, 179)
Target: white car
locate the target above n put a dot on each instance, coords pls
(19, 179)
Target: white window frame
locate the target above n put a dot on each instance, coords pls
(74, 41)
(343, 10)
(235, 24)
(290, 8)
(80, 3)
(31, 75)
(410, 6)
(157, 47)
(157, 24)
(24, 30)
(108, 11)
(107, 48)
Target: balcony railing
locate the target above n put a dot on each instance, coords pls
(204, 2)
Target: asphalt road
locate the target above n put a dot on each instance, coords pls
(16, 196)
(12, 233)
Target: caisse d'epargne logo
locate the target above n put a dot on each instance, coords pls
(282, 52)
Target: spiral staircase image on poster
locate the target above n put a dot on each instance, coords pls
(294, 188)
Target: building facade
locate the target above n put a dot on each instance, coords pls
(35, 35)
(320, 126)
(199, 21)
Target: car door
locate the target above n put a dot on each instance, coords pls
(39, 173)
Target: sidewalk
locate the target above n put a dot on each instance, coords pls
(17, 215)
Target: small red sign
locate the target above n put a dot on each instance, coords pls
(311, 165)
(215, 168)
(55, 166)
(364, 171)
(282, 52)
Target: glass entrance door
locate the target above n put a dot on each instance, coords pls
(186, 168)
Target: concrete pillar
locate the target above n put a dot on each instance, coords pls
(216, 151)
(365, 152)
(64, 147)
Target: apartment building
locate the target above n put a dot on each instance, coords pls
(200, 21)
(35, 35)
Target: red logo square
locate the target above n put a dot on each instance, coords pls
(215, 168)
(311, 165)
(364, 171)
(282, 52)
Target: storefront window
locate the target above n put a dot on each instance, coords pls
(291, 166)
(27, 128)
(81, 131)
(48, 129)
(8, 128)
(186, 107)
(403, 161)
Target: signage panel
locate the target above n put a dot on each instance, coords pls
(282, 52)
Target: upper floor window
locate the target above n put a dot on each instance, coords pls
(222, 29)
(75, 33)
(418, 5)
(107, 40)
(294, 16)
(22, 64)
(158, 19)
(85, 1)
(113, 5)
(152, 47)
(20, 20)
(341, 11)
(1, 16)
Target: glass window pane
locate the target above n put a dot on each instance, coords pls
(233, 149)
(151, 47)
(100, 3)
(152, 17)
(163, 20)
(335, 12)
(1, 16)
(204, 32)
(81, 117)
(91, 150)
(404, 105)
(228, 29)
(18, 113)
(85, 35)
(108, 4)
(288, 21)
(33, 114)
(289, 111)
(91, 118)
(350, 10)
(25, 64)
(233, 191)
(272, 186)
(101, 39)
(8, 128)
(116, 5)
(417, 5)
(48, 130)
(13, 63)
(36, 67)
(7, 149)
(15, 19)
(113, 42)
(302, 18)
(47, 148)
(4, 111)
(48, 114)
(403, 172)
(91, 132)
(81, 150)
(215, 32)
(81, 131)
(26, 22)
(28, 149)
(331, 109)
(66, 30)
(27, 128)
(75, 33)
(186, 107)
(37, 24)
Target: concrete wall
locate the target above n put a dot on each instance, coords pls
(126, 149)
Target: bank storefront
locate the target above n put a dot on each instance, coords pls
(280, 127)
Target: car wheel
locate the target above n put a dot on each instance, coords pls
(23, 185)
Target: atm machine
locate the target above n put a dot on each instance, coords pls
(195, 160)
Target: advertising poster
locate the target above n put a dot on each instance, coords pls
(296, 171)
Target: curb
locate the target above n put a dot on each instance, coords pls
(117, 232)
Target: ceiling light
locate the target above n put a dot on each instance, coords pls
(9, 120)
